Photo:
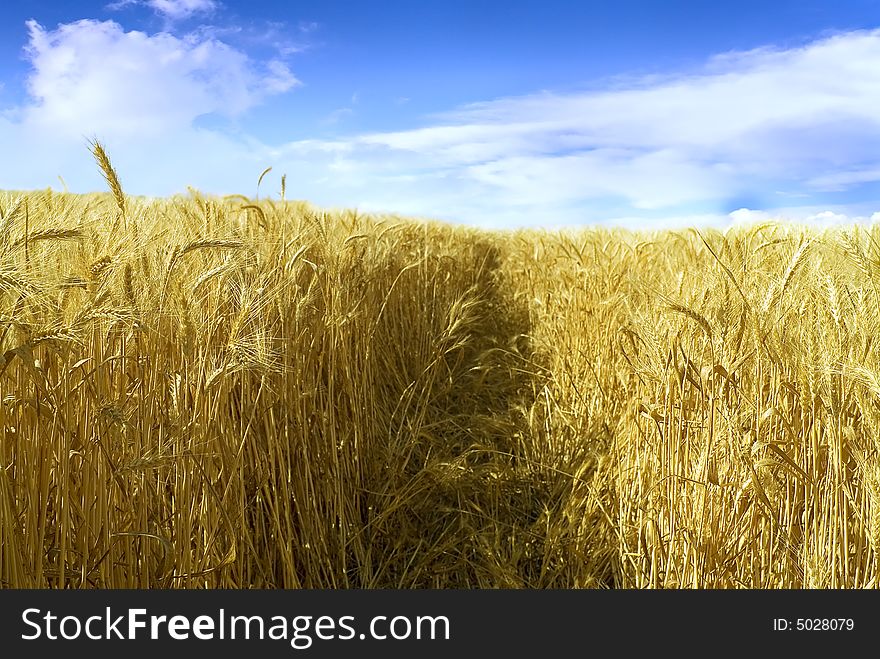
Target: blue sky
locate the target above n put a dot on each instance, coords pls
(504, 114)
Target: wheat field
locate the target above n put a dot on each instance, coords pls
(206, 392)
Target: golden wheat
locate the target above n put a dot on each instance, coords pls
(240, 393)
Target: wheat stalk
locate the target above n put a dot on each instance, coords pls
(109, 173)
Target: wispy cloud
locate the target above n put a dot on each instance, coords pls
(174, 10)
(768, 123)
(119, 5)
(337, 116)
(180, 9)
(785, 118)
(285, 38)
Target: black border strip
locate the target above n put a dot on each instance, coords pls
(586, 622)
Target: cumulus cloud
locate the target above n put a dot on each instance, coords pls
(92, 77)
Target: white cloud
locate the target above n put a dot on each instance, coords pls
(749, 216)
(180, 9)
(842, 180)
(337, 116)
(279, 78)
(121, 4)
(174, 10)
(649, 180)
(177, 9)
(803, 215)
(829, 218)
(766, 120)
(93, 77)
